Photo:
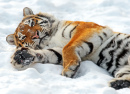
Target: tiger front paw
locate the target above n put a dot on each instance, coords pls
(22, 58)
(69, 71)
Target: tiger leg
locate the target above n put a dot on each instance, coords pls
(25, 57)
(122, 78)
(72, 54)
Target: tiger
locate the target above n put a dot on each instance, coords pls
(42, 38)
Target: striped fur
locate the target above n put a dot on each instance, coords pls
(49, 40)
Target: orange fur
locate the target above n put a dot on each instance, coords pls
(83, 32)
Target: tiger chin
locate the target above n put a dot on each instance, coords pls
(43, 38)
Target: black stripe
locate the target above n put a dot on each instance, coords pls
(41, 22)
(72, 30)
(101, 56)
(105, 34)
(29, 21)
(57, 26)
(115, 45)
(128, 37)
(121, 55)
(127, 44)
(64, 30)
(20, 45)
(113, 73)
(57, 54)
(119, 42)
(39, 18)
(128, 41)
(110, 63)
(110, 44)
(90, 46)
(40, 15)
(32, 23)
(27, 18)
(43, 16)
(101, 38)
(36, 21)
(23, 37)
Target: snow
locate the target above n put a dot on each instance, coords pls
(46, 78)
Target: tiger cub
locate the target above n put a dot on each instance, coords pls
(43, 38)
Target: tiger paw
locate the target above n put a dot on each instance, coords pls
(70, 71)
(119, 84)
(22, 58)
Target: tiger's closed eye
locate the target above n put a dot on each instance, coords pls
(45, 21)
(23, 37)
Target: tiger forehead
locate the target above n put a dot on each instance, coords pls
(34, 17)
(25, 28)
(29, 26)
(28, 17)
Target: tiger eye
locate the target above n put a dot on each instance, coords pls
(23, 37)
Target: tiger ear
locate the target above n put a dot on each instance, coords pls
(10, 39)
(27, 11)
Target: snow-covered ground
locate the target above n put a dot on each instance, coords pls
(46, 78)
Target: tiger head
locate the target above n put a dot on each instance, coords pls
(34, 30)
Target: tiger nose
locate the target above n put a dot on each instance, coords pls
(36, 36)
